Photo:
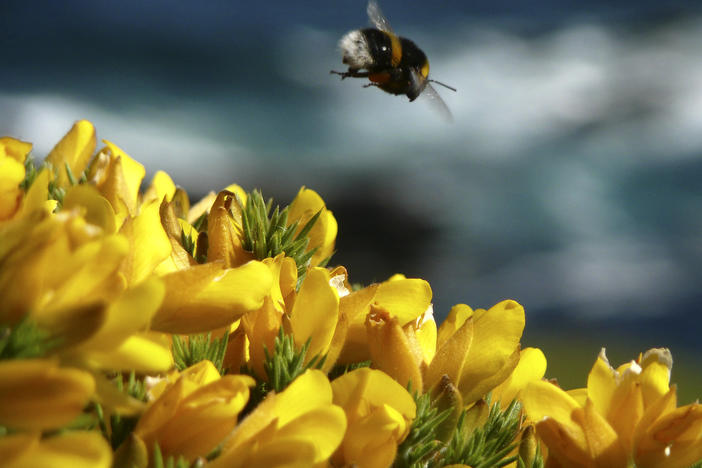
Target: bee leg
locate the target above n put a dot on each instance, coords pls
(368, 85)
(350, 74)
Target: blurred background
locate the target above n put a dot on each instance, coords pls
(569, 181)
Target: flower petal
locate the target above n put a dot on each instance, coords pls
(207, 296)
(531, 367)
(656, 366)
(74, 449)
(162, 187)
(393, 351)
(323, 234)
(74, 150)
(96, 208)
(494, 352)
(38, 394)
(315, 312)
(299, 406)
(132, 172)
(355, 391)
(261, 328)
(144, 353)
(405, 298)
(224, 232)
(450, 358)
(544, 400)
(11, 175)
(455, 319)
(602, 383)
(323, 428)
(15, 149)
(149, 244)
(130, 313)
(602, 440)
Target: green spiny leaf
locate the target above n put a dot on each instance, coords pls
(188, 243)
(266, 232)
(69, 173)
(25, 340)
(30, 173)
(538, 461)
(158, 460)
(422, 444)
(200, 223)
(487, 446)
(199, 348)
(121, 426)
(341, 369)
(286, 363)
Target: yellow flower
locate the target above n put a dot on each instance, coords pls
(576, 436)
(379, 413)
(12, 155)
(193, 415)
(118, 178)
(224, 230)
(315, 313)
(122, 341)
(306, 204)
(161, 188)
(75, 449)
(638, 402)
(395, 349)
(310, 314)
(284, 286)
(477, 349)
(86, 200)
(65, 275)
(209, 296)
(74, 150)
(403, 298)
(148, 243)
(37, 394)
(55, 265)
(14, 149)
(531, 367)
(199, 297)
(628, 415)
(261, 327)
(296, 427)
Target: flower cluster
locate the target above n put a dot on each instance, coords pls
(138, 329)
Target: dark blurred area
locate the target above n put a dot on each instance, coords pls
(569, 180)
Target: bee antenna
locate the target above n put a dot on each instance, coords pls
(444, 85)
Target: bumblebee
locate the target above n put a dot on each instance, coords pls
(392, 63)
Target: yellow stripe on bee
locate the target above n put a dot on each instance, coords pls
(396, 49)
(425, 69)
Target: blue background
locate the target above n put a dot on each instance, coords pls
(569, 180)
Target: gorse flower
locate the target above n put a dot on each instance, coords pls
(298, 427)
(75, 449)
(379, 412)
(628, 414)
(12, 172)
(138, 329)
(192, 415)
(37, 394)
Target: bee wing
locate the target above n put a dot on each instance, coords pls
(437, 103)
(377, 18)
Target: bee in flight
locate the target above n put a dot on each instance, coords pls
(392, 63)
